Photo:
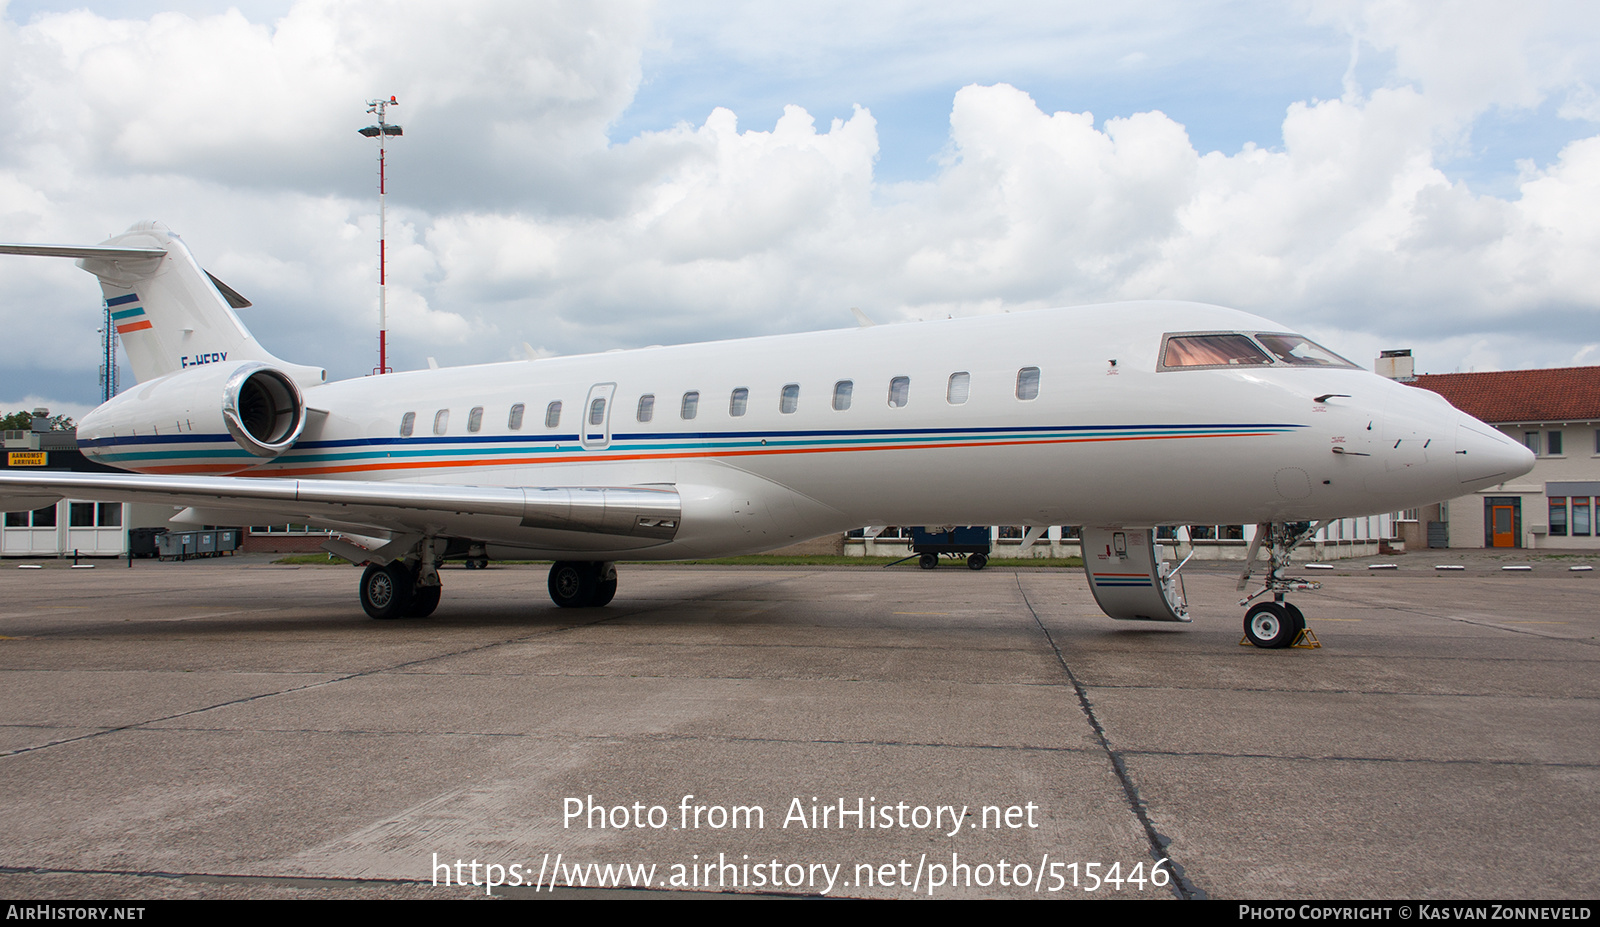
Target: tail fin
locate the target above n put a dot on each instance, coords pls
(170, 313)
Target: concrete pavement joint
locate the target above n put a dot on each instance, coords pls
(1160, 845)
(263, 695)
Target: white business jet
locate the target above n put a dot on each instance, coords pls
(1119, 418)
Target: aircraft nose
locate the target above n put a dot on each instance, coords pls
(1484, 456)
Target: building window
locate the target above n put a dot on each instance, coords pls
(738, 401)
(109, 514)
(843, 388)
(647, 407)
(790, 399)
(16, 519)
(514, 420)
(45, 517)
(1553, 443)
(408, 424)
(1558, 516)
(80, 514)
(552, 414)
(690, 406)
(959, 388)
(475, 419)
(441, 421)
(1028, 383)
(1581, 525)
(899, 392)
(1530, 439)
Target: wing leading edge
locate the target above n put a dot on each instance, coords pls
(579, 517)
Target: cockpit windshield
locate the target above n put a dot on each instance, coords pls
(1190, 350)
(1301, 351)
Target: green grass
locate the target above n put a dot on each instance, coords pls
(819, 560)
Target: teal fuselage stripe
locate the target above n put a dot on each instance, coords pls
(389, 452)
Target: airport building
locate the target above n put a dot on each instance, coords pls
(90, 529)
(1556, 414)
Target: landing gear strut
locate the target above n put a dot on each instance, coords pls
(582, 584)
(402, 588)
(1277, 623)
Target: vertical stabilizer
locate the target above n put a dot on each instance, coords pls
(169, 313)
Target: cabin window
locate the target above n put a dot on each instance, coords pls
(408, 424)
(475, 419)
(790, 399)
(899, 392)
(958, 390)
(647, 407)
(843, 388)
(738, 402)
(514, 420)
(1028, 383)
(552, 414)
(441, 421)
(597, 411)
(691, 405)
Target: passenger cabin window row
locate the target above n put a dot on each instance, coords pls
(957, 391)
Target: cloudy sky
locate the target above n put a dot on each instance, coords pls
(586, 176)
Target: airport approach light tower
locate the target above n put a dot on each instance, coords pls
(382, 131)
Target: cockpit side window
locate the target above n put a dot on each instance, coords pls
(1213, 350)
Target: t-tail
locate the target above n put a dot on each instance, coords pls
(209, 393)
(170, 313)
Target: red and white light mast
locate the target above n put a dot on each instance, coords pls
(380, 132)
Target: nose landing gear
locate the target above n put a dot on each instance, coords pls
(1277, 624)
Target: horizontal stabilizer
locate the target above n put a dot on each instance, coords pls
(85, 252)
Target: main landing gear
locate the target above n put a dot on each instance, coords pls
(582, 584)
(1277, 623)
(396, 590)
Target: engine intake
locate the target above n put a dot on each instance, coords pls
(263, 410)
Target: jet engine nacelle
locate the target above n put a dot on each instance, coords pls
(257, 407)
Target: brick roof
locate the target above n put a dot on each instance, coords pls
(1561, 394)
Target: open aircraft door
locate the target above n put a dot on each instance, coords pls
(596, 433)
(1128, 578)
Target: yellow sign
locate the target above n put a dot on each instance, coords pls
(26, 458)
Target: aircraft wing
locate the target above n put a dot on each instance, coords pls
(560, 517)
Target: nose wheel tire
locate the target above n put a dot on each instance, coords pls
(1273, 625)
(386, 591)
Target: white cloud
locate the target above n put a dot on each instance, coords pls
(514, 219)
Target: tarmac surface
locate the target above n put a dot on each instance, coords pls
(238, 729)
